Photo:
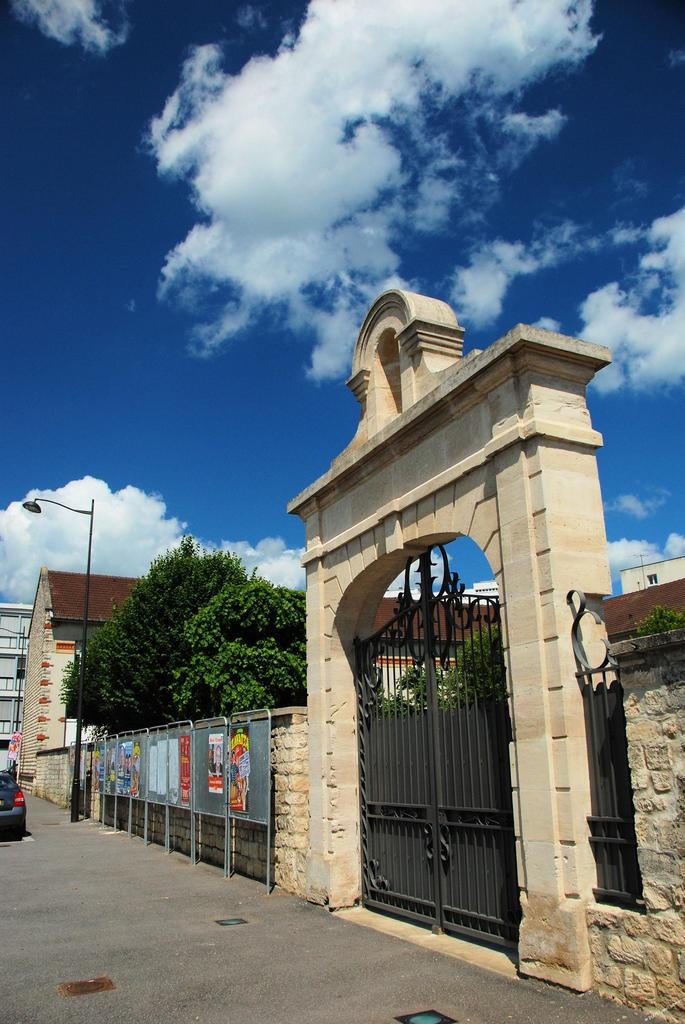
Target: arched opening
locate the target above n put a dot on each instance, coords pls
(388, 380)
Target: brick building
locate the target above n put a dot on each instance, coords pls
(54, 640)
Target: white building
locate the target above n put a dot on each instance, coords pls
(14, 633)
(652, 574)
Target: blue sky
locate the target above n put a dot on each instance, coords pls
(201, 201)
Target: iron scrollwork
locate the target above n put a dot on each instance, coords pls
(377, 880)
(579, 652)
(445, 845)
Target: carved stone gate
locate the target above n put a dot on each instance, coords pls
(496, 446)
(437, 823)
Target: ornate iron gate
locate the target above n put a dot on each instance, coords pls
(435, 785)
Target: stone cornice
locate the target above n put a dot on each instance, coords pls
(523, 350)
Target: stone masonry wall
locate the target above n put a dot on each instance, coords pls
(52, 776)
(639, 955)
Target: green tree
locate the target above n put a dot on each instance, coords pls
(661, 620)
(247, 650)
(134, 659)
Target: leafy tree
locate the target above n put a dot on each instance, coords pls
(661, 620)
(135, 658)
(247, 650)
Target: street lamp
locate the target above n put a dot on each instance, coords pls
(33, 506)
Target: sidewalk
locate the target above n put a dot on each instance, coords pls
(80, 902)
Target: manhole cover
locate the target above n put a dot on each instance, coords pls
(85, 988)
(228, 921)
(426, 1017)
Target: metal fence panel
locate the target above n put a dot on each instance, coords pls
(157, 765)
(209, 766)
(111, 766)
(180, 765)
(250, 768)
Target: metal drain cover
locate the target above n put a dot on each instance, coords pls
(426, 1017)
(85, 988)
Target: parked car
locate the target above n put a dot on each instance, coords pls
(12, 807)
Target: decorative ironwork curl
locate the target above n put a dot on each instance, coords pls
(449, 581)
(377, 880)
(578, 649)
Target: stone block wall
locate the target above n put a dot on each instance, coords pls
(52, 776)
(639, 955)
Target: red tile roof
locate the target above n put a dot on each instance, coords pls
(623, 613)
(67, 590)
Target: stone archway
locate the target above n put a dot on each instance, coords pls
(499, 447)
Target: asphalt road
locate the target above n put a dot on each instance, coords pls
(80, 902)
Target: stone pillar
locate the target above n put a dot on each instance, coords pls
(551, 535)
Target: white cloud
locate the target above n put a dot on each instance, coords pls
(130, 529)
(643, 322)
(638, 508)
(675, 545)
(309, 169)
(96, 25)
(271, 559)
(676, 57)
(523, 132)
(479, 289)
(250, 17)
(548, 323)
(625, 554)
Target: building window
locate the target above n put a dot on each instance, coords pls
(652, 579)
(6, 683)
(4, 727)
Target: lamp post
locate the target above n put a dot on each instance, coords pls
(33, 506)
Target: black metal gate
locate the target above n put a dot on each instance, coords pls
(435, 786)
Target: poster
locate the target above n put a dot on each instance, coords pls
(174, 771)
(124, 766)
(14, 747)
(112, 767)
(184, 757)
(135, 770)
(152, 768)
(240, 766)
(99, 769)
(215, 765)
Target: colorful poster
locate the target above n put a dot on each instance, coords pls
(124, 767)
(174, 772)
(135, 770)
(240, 766)
(112, 768)
(99, 770)
(184, 757)
(215, 766)
(14, 747)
